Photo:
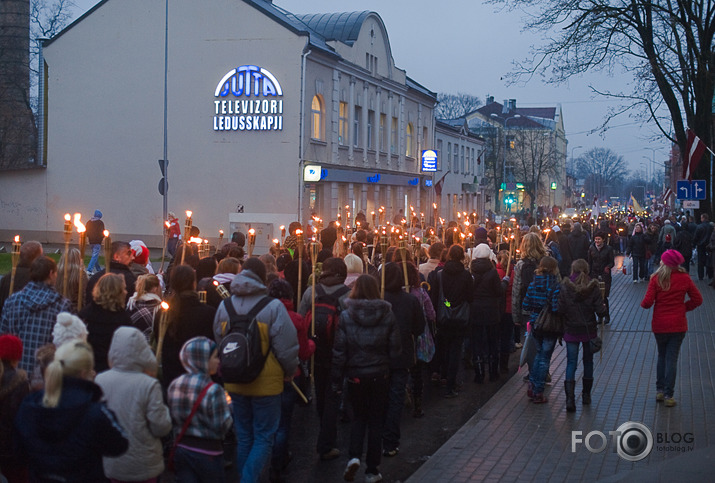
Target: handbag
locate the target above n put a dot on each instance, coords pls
(451, 319)
(548, 320)
(595, 343)
(425, 345)
(170, 461)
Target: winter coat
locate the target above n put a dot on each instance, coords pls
(22, 277)
(95, 231)
(366, 342)
(136, 400)
(702, 234)
(578, 243)
(213, 418)
(543, 289)
(114, 267)
(428, 267)
(638, 245)
(101, 324)
(277, 334)
(14, 386)
(457, 284)
(410, 323)
(31, 314)
(600, 260)
(668, 229)
(523, 276)
(487, 291)
(578, 303)
(142, 312)
(508, 288)
(554, 251)
(306, 346)
(194, 319)
(670, 306)
(68, 442)
(684, 244)
(566, 257)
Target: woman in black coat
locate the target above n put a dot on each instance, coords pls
(637, 248)
(485, 314)
(456, 284)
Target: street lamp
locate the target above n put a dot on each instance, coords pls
(506, 120)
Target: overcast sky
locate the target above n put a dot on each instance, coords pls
(468, 46)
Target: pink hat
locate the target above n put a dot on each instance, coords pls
(672, 258)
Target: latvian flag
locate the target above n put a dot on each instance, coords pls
(694, 152)
(666, 196)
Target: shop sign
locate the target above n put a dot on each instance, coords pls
(429, 160)
(248, 98)
(311, 174)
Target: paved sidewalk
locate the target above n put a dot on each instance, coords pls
(510, 439)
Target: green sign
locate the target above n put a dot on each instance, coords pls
(553, 185)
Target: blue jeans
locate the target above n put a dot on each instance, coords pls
(279, 459)
(572, 360)
(396, 401)
(257, 419)
(668, 351)
(94, 261)
(537, 372)
(193, 467)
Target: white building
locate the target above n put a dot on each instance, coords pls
(255, 94)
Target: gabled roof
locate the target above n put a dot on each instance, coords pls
(342, 26)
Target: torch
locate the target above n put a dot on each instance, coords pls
(299, 234)
(314, 248)
(222, 292)
(163, 325)
(107, 250)
(374, 225)
(251, 241)
(403, 252)
(68, 235)
(220, 240)
(283, 234)
(15, 259)
(187, 234)
(436, 216)
(383, 251)
(82, 245)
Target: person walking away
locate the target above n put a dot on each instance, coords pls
(70, 408)
(366, 342)
(410, 324)
(31, 313)
(134, 395)
(651, 255)
(68, 327)
(14, 386)
(578, 242)
(435, 252)
(684, 244)
(484, 314)
(601, 261)
(636, 248)
(562, 236)
(104, 315)
(95, 236)
(257, 404)
(579, 298)
(667, 290)
(417, 372)
(542, 291)
(29, 252)
(451, 287)
(701, 240)
(200, 413)
(506, 324)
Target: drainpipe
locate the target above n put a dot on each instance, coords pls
(301, 135)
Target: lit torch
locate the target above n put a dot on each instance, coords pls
(68, 235)
(15, 259)
(163, 325)
(251, 241)
(82, 245)
(187, 233)
(107, 250)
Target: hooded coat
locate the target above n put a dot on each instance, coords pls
(278, 335)
(578, 303)
(488, 292)
(409, 316)
(578, 243)
(136, 399)
(31, 314)
(366, 342)
(68, 442)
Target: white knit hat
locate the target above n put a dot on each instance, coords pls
(68, 327)
(483, 251)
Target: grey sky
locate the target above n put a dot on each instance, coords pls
(467, 46)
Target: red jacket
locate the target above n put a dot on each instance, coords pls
(306, 347)
(502, 272)
(670, 306)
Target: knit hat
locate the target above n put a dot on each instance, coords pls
(68, 327)
(480, 233)
(97, 214)
(10, 348)
(672, 258)
(482, 251)
(141, 252)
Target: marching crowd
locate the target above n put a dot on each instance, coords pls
(117, 386)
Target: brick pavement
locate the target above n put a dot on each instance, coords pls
(510, 439)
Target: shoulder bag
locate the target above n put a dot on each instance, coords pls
(548, 320)
(451, 319)
(170, 461)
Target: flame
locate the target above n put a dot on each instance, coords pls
(298, 232)
(220, 232)
(206, 242)
(372, 213)
(252, 232)
(434, 205)
(80, 226)
(105, 233)
(164, 306)
(167, 224)
(282, 227)
(189, 213)
(67, 217)
(275, 241)
(17, 238)
(215, 282)
(195, 239)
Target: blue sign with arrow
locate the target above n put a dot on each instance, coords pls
(691, 190)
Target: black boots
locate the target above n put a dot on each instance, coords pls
(504, 363)
(479, 371)
(586, 394)
(570, 388)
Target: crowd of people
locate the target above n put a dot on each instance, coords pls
(118, 385)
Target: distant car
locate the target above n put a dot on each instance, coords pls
(569, 213)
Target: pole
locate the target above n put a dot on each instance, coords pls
(166, 77)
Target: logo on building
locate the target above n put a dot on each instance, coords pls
(248, 98)
(429, 160)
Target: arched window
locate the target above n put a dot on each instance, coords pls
(409, 149)
(317, 113)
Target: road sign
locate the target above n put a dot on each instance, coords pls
(682, 191)
(698, 189)
(691, 204)
(691, 190)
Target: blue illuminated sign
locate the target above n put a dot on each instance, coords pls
(413, 182)
(429, 160)
(428, 183)
(248, 100)
(374, 179)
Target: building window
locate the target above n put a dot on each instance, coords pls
(449, 156)
(343, 124)
(466, 162)
(382, 140)
(356, 126)
(440, 153)
(316, 126)
(464, 165)
(394, 139)
(455, 163)
(409, 149)
(370, 124)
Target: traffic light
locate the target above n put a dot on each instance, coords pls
(553, 185)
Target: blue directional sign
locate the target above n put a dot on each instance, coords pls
(683, 190)
(691, 190)
(698, 190)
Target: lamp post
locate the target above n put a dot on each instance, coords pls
(506, 120)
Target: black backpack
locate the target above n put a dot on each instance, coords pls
(327, 313)
(240, 350)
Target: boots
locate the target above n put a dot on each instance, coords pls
(417, 411)
(479, 371)
(570, 388)
(586, 394)
(504, 363)
(493, 368)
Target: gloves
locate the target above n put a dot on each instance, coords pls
(505, 279)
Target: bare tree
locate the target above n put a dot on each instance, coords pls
(601, 168)
(665, 45)
(453, 106)
(533, 160)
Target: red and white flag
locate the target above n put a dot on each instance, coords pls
(666, 196)
(694, 153)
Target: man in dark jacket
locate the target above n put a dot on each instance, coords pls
(95, 235)
(563, 239)
(701, 240)
(601, 261)
(29, 252)
(578, 243)
(122, 257)
(411, 323)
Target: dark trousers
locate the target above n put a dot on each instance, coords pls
(369, 400)
(396, 402)
(703, 267)
(485, 342)
(328, 405)
(666, 369)
(639, 268)
(506, 334)
(195, 467)
(416, 375)
(451, 355)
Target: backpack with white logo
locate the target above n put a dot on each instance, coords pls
(240, 350)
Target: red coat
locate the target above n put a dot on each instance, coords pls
(502, 272)
(306, 346)
(671, 306)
